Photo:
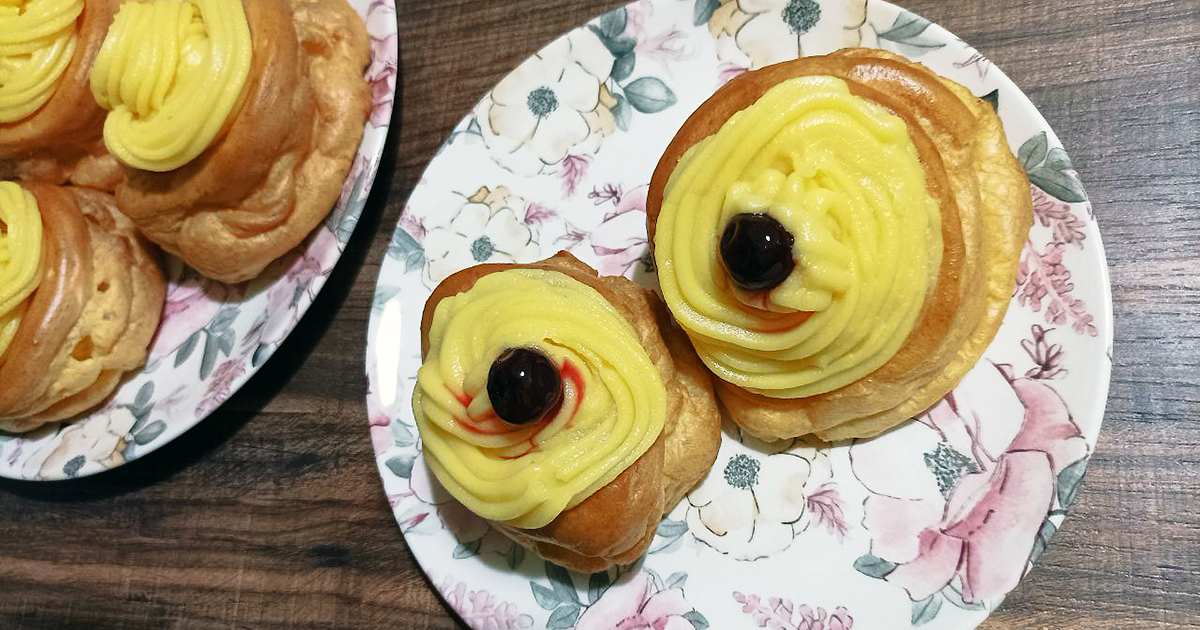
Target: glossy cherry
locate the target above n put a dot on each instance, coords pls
(757, 251)
(523, 385)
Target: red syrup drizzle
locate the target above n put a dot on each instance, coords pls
(491, 424)
(774, 322)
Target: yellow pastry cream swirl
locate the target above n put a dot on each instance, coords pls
(37, 42)
(171, 73)
(612, 411)
(20, 257)
(842, 175)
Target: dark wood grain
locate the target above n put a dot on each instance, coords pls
(270, 513)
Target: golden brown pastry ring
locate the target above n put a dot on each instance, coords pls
(264, 185)
(616, 524)
(92, 317)
(62, 139)
(986, 215)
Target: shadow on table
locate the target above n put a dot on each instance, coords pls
(213, 432)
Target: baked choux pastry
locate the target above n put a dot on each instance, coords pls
(236, 122)
(839, 238)
(80, 298)
(50, 126)
(564, 408)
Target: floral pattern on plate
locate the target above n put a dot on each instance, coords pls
(879, 534)
(214, 337)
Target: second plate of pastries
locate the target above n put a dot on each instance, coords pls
(177, 181)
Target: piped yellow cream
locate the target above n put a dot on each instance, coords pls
(842, 175)
(613, 407)
(37, 42)
(20, 257)
(171, 73)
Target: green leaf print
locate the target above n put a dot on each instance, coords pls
(73, 466)
(150, 433)
(561, 580)
(564, 617)
(907, 33)
(401, 465)
(705, 10)
(677, 580)
(925, 610)
(612, 24)
(185, 351)
(872, 566)
(622, 112)
(597, 584)
(515, 556)
(1069, 481)
(696, 619)
(223, 320)
(668, 536)
(402, 435)
(546, 598)
(468, 549)
(649, 95)
(623, 66)
(1049, 169)
(1057, 159)
(1042, 540)
(1058, 184)
(143, 396)
(212, 346)
(383, 295)
(992, 98)
(954, 596)
(1034, 151)
(406, 248)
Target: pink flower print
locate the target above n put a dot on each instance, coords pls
(965, 499)
(381, 433)
(1044, 281)
(632, 201)
(620, 240)
(637, 605)
(618, 244)
(636, 15)
(481, 609)
(192, 303)
(727, 71)
(381, 74)
(826, 506)
(299, 268)
(415, 226)
(574, 168)
(429, 494)
(782, 614)
(1058, 216)
(220, 387)
(666, 47)
(537, 214)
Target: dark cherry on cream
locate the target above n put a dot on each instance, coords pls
(523, 385)
(757, 251)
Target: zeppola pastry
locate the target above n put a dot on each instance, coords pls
(838, 236)
(80, 297)
(564, 408)
(236, 122)
(50, 125)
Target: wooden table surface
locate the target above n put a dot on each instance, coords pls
(270, 514)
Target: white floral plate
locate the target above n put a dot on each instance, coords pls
(214, 336)
(930, 525)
